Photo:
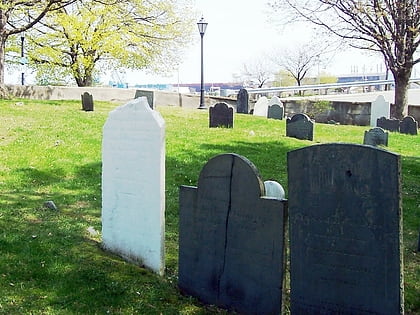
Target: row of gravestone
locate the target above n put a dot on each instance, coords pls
(407, 125)
(343, 214)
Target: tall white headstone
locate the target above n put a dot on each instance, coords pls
(379, 108)
(261, 107)
(133, 184)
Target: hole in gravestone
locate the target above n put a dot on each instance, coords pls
(348, 173)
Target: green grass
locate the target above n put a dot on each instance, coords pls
(51, 264)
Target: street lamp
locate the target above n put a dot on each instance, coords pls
(22, 57)
(202, 25)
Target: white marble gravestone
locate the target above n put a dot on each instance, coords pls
(379, 108)
(133, 184)
(261, 107)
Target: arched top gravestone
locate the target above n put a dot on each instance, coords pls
(242, 102)
(376, 136)
(261, 107)
(379, 108)
(345, 230)
(409, 125)
(300, 126)
(221, 115)
(231, 238)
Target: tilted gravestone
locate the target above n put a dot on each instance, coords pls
(231, 238)
(242, 100)
(345, 230)
(221, 115)
(133, 184)
(409, 125)
(261, 107)
(379, 108)
(87, 102)
(388, 124)
(148, 94)
(376, 136)
(300, 126)
(275, 108)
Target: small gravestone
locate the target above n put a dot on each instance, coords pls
(242, 102)
(133, 184)
(300, 126)
(274, 190)
(409, 126)
(379, 108)
(376, 136)
(231, 238)
(388, 124)
(275, 108)
(148, 94)
(221, 115)
(261, 107)
(87, 102)
(345, 230)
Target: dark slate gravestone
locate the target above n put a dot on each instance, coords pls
(409, 125)
(148, 94)
(376, 136)
(275, 111)
(231, 238)
(221, 115)
(300, 126)
(388, 124)
(242, 102)
(345, 230)
(87, 102)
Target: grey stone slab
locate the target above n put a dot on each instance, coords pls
(87, 102)
(345, 230)
(221, 115)
(242, 100)
(275, 111)
(409, 125)
(388, 124)
(300, 126)
(376, 136)
(148, 94)
(231, 238)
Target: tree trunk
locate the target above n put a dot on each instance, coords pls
(401, 79)
(2, 58)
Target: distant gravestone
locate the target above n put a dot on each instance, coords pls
(409, 125)
(231, 238)
(242, 100)
(300, 126)
(379, 108)
(275, 108)
(388, 124)
(376, 136)
(345, 230)
(148, 94)
(274, 190)
(261, 107)
(221, 115)
(87, 102)
(133, 184)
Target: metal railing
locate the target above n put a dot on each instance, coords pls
(324, 86)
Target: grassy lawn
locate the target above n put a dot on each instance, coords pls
(51, 264)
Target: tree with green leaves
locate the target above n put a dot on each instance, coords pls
(18, 16)
(390, 27)
(90, 36)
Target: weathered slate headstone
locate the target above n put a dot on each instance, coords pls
(388, 124)
(409, 125)
(275, 108)
(87, 102)
(300, 126)
(148, 94)
(231, 238)
(261, 107)
(242, 100)
(221, 115)
(345, 230)
(376, 136)
(133, 184)
(379, 108)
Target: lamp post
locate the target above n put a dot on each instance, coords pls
(202, 25)
(22, 57)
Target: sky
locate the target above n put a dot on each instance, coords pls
(238, 32)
